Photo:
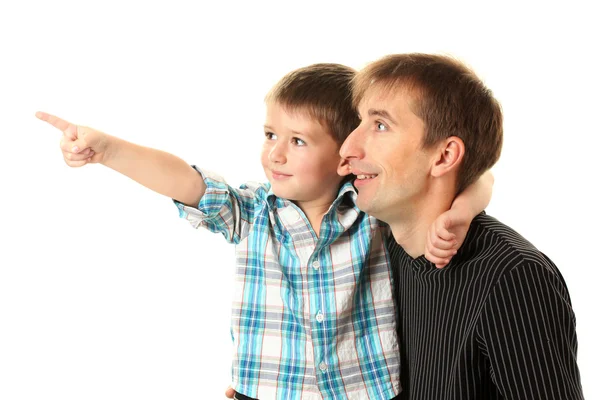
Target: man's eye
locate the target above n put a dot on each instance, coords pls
(298, 142)
(270, 136)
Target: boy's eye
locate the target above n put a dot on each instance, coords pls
(380, 126)
(270, 136)
(298, 142)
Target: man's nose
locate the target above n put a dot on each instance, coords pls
(352, 146)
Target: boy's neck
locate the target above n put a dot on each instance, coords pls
(315, 211)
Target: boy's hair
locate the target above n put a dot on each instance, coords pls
(449, 98)
(324, 92)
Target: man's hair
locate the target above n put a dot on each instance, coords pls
(324, 92)
(449, 98)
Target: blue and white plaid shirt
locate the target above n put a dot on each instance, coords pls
(313, 317)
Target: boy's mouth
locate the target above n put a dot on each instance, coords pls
(279, 175)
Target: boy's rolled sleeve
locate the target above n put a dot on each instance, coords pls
(222, 209)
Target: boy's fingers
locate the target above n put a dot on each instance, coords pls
(445, 234)
(229, 392)
(78, 163)
(443, 230)
(435, 241)
(438, 243)
(66, 127)
(435, 252)
(84, 155)
(53, 120)
(69, 145)
(436, 260)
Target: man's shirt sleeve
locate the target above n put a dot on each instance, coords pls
(222, 209)
(527, 329)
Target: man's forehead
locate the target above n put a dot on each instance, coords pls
(386, 97)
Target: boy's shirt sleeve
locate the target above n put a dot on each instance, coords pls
(223, 209)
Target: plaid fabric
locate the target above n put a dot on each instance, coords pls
(313, 317)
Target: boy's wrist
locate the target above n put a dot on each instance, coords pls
(464, 209)
(111, 149)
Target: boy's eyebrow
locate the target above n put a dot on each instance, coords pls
(381, 113)
(294, 132)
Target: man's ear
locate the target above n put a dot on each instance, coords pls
(449, 156)
(343, 168)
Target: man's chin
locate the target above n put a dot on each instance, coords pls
(362, 203)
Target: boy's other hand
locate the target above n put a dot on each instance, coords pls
(229, 392)
(445, 236)
(80, 145)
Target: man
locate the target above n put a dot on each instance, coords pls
(497, 322)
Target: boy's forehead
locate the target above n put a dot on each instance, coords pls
(297, 118)
(297, 112)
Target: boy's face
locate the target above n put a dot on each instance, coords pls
(300, 157)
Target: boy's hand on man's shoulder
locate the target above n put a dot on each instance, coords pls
(445, 236)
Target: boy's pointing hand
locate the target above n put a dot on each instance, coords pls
(80, 145)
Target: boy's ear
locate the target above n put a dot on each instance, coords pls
(344, 167)
(449, 156)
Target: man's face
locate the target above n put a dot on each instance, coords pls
(299, 157)
(385, 154)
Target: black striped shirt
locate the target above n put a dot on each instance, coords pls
(496, 323)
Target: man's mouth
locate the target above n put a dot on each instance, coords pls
(363, 177)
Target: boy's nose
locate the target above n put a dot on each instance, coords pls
(277, 154)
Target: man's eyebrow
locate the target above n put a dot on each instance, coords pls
(381, 113)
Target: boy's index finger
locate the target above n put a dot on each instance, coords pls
(66, 127)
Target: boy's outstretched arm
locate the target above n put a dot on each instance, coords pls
(449, 230)
(157, 170)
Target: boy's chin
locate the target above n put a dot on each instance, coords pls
(287, 194)
(281, 192)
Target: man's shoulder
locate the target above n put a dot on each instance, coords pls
(487, 231)
(496, 256)
(497, 244)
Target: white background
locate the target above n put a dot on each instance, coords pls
(106, 293)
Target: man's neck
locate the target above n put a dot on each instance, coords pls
(410, 229)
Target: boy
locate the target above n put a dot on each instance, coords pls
(313, 314)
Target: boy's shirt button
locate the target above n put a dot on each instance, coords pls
(323, 366)
(316, 265)
(320, 317)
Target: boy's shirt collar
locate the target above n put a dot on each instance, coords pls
(347, 191)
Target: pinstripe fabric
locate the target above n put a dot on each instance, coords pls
(313, 317)
(496, 323)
